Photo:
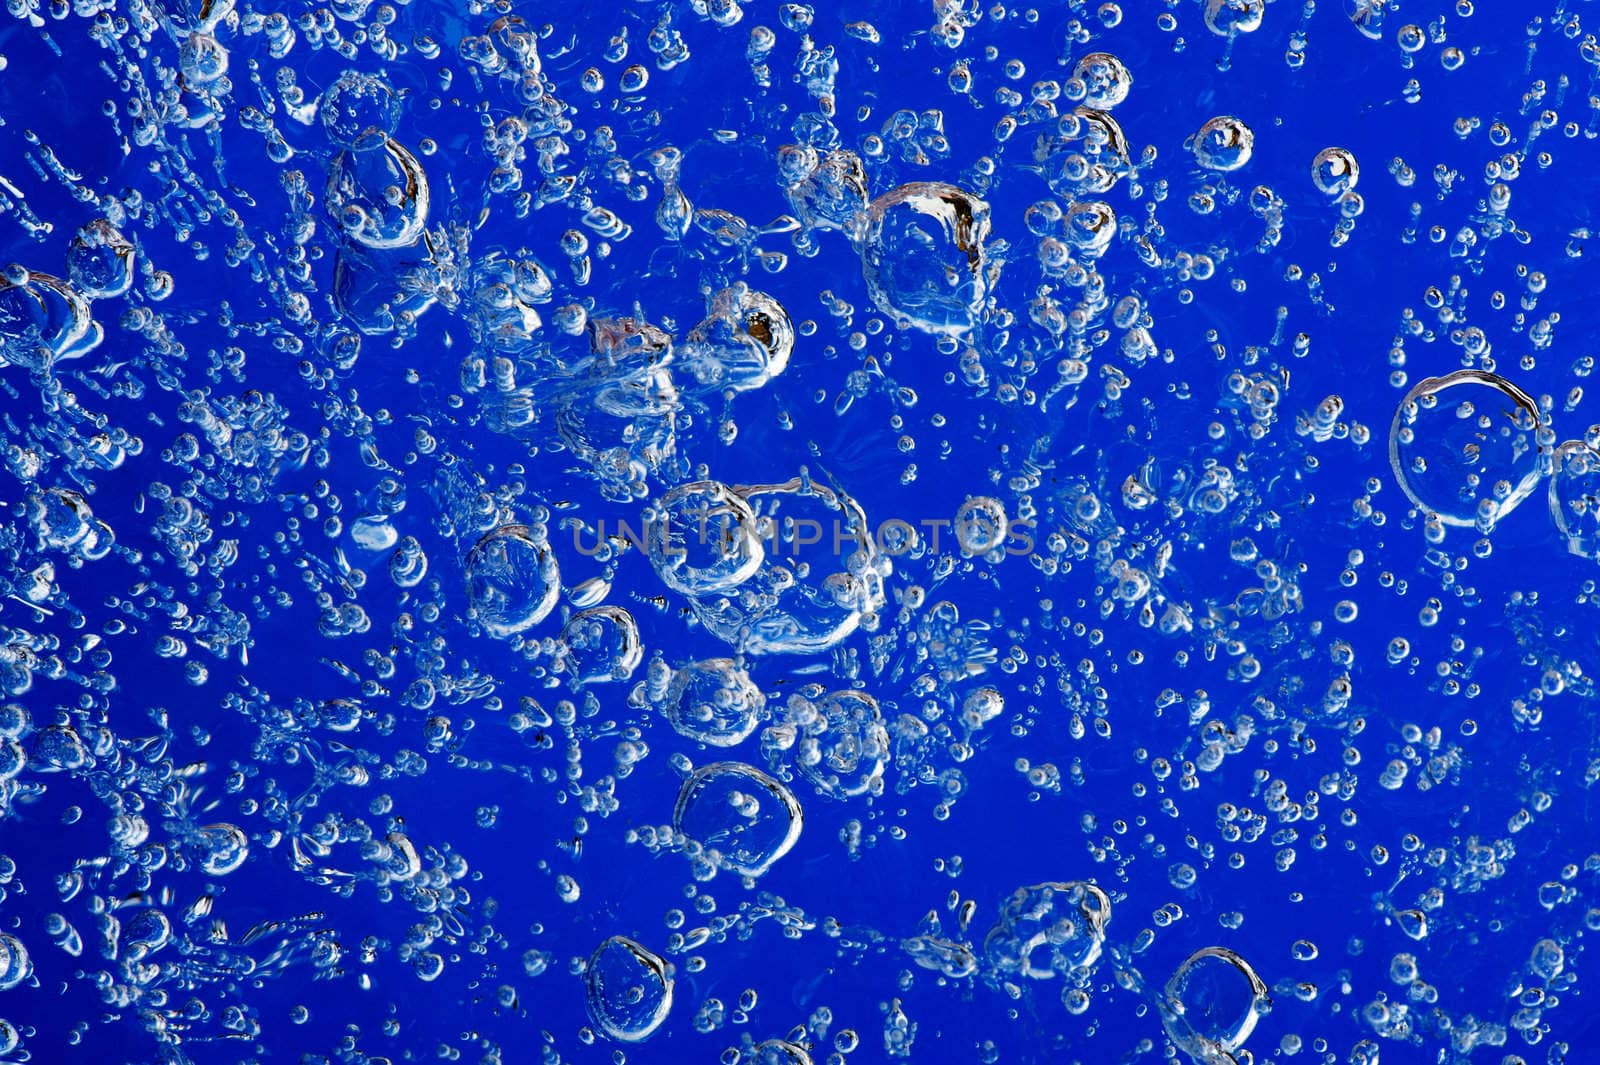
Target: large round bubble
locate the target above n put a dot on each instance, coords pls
(743, 819)
(629, 990)
(714, 702)
(513, 581)
(1464, 447)
(1212, 1003)
(923, 256)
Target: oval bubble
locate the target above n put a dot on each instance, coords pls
(379, 199)
(15, 965)
(43, 319)
(1224, 144)
(1049, 930)
(1574, 495)
(1335, 171)
(744, 341)
(923, 256)
(513, 581)
(745, 819)
(825, 190)
(1212, 1004)
(1464, 447)
(100, 260)
(840, 742)
(1105, 78)
(629, 990)
(714, 702)
(602, 645)
(358, 112)
(221, 848)
(1227, 17)
(702, 539)
(820, 575)
(1083, 153)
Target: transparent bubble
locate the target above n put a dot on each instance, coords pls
(714, 702)
(744, 341)
(1106, 79)
(359, 112)
(981, 525)
(15, 965)
(202, 59)
(379, 198)
(43, 320)
(819, 573)
(923, 256)
(602, 645)
(220, 848)
(100, 260)
(629, 990)
(703, 539)
(747, 818)
(1227, 17)
(1212, 1004)
(1367, 17)
(780, 1052)
(825, 190)
(1574, 497)
(1048, 930)
(1335, 171)
(513, 581)
(1464, 447)
(1224, 144)
(1083, 153)
(839, 743)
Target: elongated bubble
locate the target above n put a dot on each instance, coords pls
(1047, 930)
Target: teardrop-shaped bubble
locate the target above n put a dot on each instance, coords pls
(703, 539)
(744, 341)
(15, 965)
(820, 574)
(1574, 496)
(825, 190)
(840, 742)
(100, 260)
(1464, 447)
(379, 199)
(513, 581)
(1227, 17)
(1047, 930)
(744, 819)
(220, 848)
(1335, 171)
(714, 702)
(1224, 144)
(1212, 1004)
(359, 112)
(602, 645)
(43, 319)
(923, 256)
(1105, 78)
(629, 990)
